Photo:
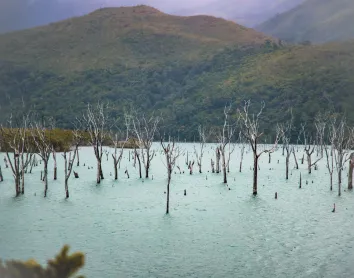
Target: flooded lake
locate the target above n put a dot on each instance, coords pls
(122, 228)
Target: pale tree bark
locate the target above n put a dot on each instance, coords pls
(242, 149)
(119, 140)
(172, 152)
(69, 163)
(68, 170)
(285, 129)
(15, 140)
(250, 128)
(217, 156)
(95, 121)
(203, 137)
(350, 174)
(145, 128)
(224, 137)
(41, 138)
(329, 149)
(55, 163)
(342, 144)
(309, 148)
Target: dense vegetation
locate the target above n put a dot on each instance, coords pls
(315, 20)
(187, 68)
(63, 266)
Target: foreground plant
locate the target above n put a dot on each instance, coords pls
(63, 266)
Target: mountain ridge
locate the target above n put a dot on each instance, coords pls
(186, 68)
(317, 21)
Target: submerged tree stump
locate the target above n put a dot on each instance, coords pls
(350, 174)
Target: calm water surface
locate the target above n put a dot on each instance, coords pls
(211, 232)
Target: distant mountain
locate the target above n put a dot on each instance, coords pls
(186, 68)
(315, 20)
(127, 35)
(249, 13)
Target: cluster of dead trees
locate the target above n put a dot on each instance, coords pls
(332, 140)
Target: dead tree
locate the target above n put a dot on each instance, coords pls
(329, 149)
(242, 143)
(26, 154)
(119, 139)
(172, 152)
(217, 155)
(224, 137)
(350, 174)
(14, 139)
(95, 121)
(54, 153)
(342, 144)
(68, 170)
(12, 143)
(309, 148)
(250, 128)
(137, 156)
(145, 128)
(43, 147)
(285, 130)
(203, 135)
(68, 163)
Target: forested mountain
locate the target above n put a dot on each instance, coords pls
(315, 21)
(186, 68)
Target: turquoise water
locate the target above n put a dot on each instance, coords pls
(211, 232)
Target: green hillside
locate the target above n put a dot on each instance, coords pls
(187, 68)
(315, 20)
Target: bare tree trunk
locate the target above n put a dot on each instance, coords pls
(66, 188)
(331, 180)
(55, 164)
(55, 171)
(98, 179)
(139, 163)
(339, 182)
(217, 160)
(212, 166)
(255, 173)
(23, 177)
(168, 191)
(147, 167)
(242, 152)
(350, 175)
(101, 172)
(287, 164)
(66, 177)
(224, 165)
(115, 170)
(295, 159)
(78, 158)
(309, 163)
(269, 157)
(45, 178)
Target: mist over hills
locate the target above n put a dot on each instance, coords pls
(317, 21)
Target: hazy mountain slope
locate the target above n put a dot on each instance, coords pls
(187, 68)
(23, 14)
(314, 20)
(129, 36)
